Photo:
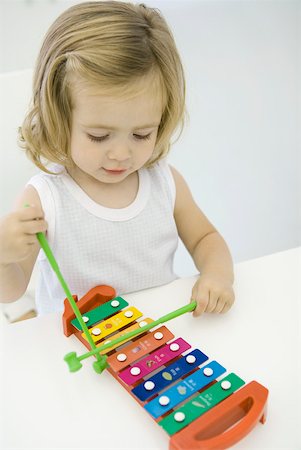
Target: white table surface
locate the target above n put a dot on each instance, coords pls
(258, 339)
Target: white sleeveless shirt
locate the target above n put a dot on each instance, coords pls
(129, 248)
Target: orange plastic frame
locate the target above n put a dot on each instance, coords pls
(225, 424)
(93, 298)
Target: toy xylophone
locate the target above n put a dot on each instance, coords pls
(180, 391)
(188, 396)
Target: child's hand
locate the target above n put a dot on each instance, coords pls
(212, 294)
(18, 233)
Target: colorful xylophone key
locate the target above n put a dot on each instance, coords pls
(177, 386)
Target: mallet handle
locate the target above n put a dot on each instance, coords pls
(173, 314)
(52, 261)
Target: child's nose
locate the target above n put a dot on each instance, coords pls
(119, 152)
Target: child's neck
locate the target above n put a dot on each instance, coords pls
(110, 195)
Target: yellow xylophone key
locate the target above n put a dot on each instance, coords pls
(142, 323)
(114, 323)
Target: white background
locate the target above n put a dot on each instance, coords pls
(239, 151)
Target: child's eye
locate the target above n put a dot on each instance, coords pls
(142, 137)
(139, 137)
(97, 138)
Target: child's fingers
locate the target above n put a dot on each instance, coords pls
(226, 307)
(201, 295)
(30, 240)
(200, 308)
(202, 301)
(219, 306)
(30, 213)
(224, 303)
(213, 301)
(34, 226)
(228, 304)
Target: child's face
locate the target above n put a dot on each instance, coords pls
(112, 137)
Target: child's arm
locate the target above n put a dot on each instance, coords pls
(19, 246)
(213, 291)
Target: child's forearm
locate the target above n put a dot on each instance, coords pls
(12, 282)
(212, 256)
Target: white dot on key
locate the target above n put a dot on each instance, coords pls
(158, 335)
(96, 331)
(129, 314)
(190, 359)
(174, 347)
(164, 400)
(179, 416)
(121, 357)
(208, 371)
(115, 303)
(149, 385)
(142, 323)
(225, 385)
(135, 371)
(86, 319)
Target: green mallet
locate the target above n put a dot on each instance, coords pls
(101, 363)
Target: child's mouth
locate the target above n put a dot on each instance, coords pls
(115, 171)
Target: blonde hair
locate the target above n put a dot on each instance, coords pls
(111, 44)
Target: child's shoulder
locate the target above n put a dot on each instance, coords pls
(41, 180)
(162, 177)
(36, 189)
(161, 167)
(28, 196)
(172, 175)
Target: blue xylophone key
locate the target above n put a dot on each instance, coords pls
(184, 389)
(169, 375)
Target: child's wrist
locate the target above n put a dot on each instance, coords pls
(226, 278)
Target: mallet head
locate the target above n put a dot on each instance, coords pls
(101, 365)
(73, 362)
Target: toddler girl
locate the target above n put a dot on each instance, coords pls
(108, 94)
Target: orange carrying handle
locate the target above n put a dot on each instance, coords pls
(226, 423)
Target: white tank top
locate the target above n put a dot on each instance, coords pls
(129, 248)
